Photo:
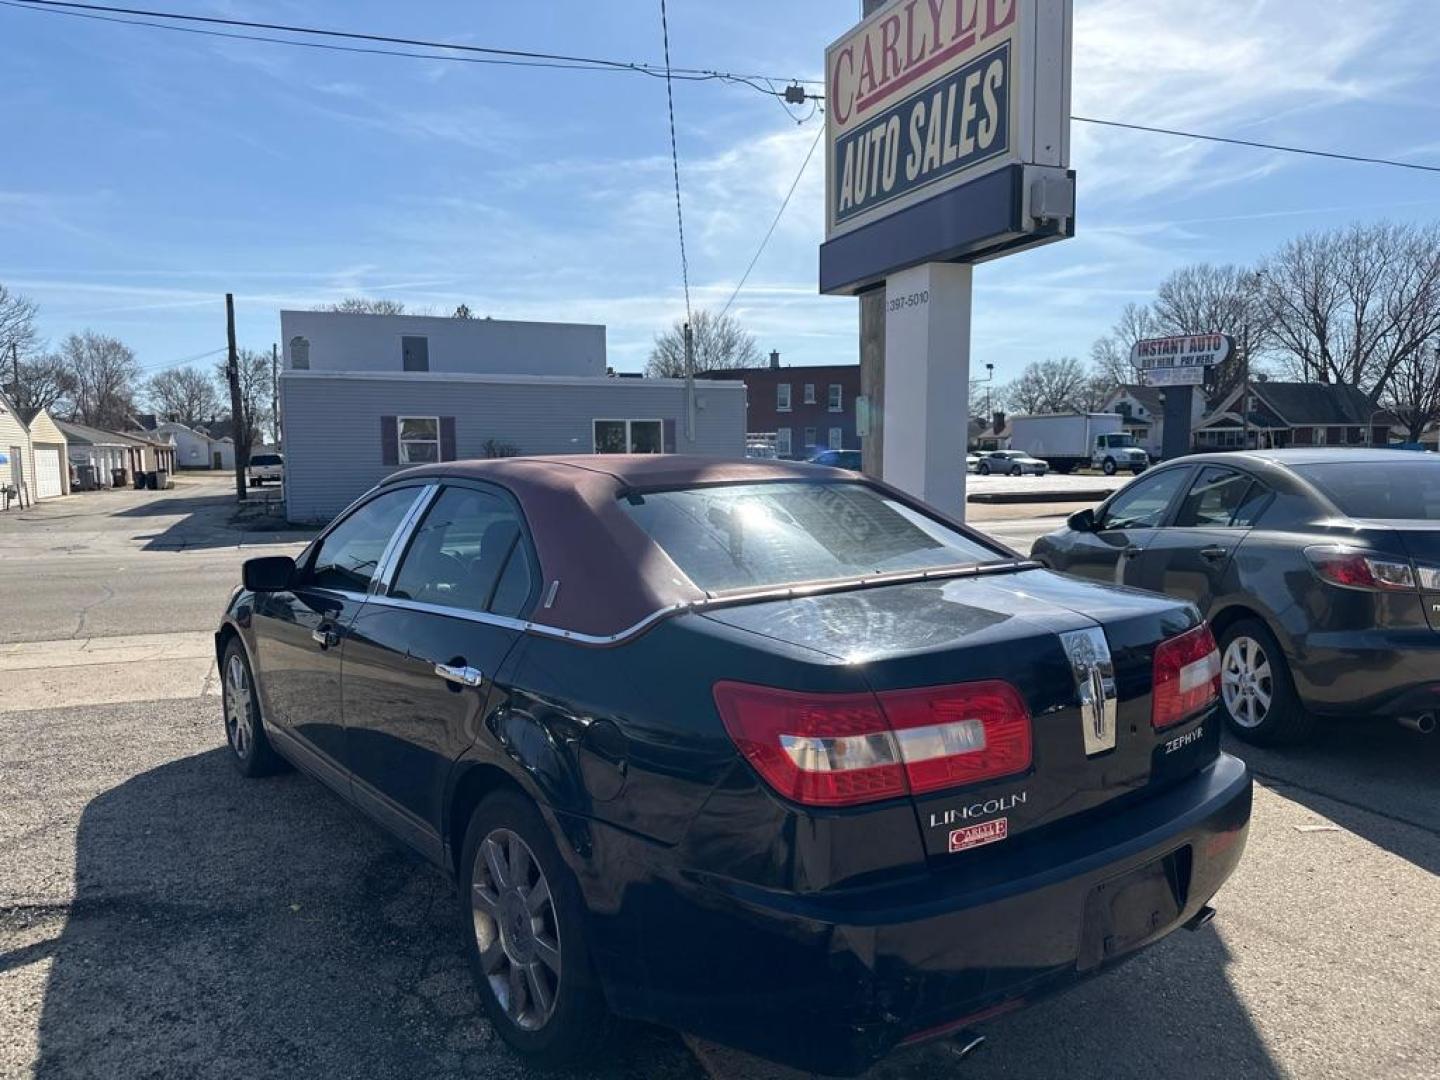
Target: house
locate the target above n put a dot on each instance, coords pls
(1285, 414)
(1143, 408)
(982, 437)
(17, 467)
(198, 448)
(807, 409)
(49, 455)
(150, 451)
(363, 396)
(105, 451)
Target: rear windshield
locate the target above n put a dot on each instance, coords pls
(1375, 489)
(747, 536)
(265, 459)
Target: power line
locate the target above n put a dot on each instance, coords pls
(675, 160)
(778, 214)
(154, 369)
(486, 54)
(1334, 155)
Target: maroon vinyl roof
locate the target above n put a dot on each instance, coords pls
(611, 574)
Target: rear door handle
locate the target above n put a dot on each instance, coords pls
(325, 637)
(1214, 553)
(460, 675)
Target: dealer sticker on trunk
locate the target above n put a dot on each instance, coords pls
(987, 832)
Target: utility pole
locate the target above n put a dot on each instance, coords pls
(232, 373)
(15, 369)
(275, 390)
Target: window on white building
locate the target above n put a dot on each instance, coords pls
(629, 436)
(419, 439)
(415, 353)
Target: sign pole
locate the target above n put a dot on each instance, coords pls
(927, 382)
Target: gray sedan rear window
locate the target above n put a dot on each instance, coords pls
(1401, 490)
(746, 536)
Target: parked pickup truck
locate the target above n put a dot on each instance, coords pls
(1070, 441)
(264, 467)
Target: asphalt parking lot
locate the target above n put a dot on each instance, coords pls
(159, 916)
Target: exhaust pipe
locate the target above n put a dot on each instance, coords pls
(1424, 723)
(965, 1043)
(1200, 918)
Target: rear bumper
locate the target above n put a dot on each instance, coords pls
(1369, 673)
(832, 982)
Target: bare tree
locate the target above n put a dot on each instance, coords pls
(103, 373)
(1413, 393)
(1093, 392)
(1351, 306)
(362, 305)
(1209, 299)
(1048, 386)
(17, 324)
(1109, 360)
(720, 343)
(45, 383)
(37, 385)
(255, 400)
(463, 312)
(185, 395)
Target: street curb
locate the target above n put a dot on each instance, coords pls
(1097, 494)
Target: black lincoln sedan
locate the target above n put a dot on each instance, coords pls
(766, 752)
(1319, 571)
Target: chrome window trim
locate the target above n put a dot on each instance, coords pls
(400, 541)
(711, 603)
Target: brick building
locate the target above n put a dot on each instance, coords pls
(807, 409)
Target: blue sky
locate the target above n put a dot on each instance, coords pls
(146, 172)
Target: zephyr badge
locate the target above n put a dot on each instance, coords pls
(1094, 671)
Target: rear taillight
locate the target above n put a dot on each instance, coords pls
(1186, 676)
(1353, 569)
(847, 749)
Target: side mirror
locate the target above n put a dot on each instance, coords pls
(1080, 521)
(271, 573)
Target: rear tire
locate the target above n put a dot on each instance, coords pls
(526, 943)
(1256, 690)
(250, 749)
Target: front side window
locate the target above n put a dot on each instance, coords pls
(837, 397)
(1213, 499)
(349, 554)
(419, 439)
(744, 536)
(629, 436)
(460, 551)
(1142, 505)
(782, 397)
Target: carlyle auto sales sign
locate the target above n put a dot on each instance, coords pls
(925, 95)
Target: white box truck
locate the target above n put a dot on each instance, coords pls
(1070, 441)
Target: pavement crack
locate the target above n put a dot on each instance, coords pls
(85, 611)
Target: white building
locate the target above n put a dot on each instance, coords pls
(362, 396)
(195, 449)
(1143, 408)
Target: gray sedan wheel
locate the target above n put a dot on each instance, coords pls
(516, 929)
(1256, 690)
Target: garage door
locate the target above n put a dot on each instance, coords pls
(47, 472)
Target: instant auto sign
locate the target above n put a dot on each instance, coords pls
(925, 95)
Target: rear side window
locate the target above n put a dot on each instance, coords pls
(760, 535)
(348, 556)
(1408, 490)
(1214, 498)
(459, 551)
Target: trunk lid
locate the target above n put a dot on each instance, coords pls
(1009, 627)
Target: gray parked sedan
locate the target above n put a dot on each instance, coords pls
(1319, 571)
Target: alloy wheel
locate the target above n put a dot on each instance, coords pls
(516, 929)
(1246, 682)
(239, 722)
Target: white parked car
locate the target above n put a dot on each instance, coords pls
(264, 467)
(972, 462)
(1011, 463)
